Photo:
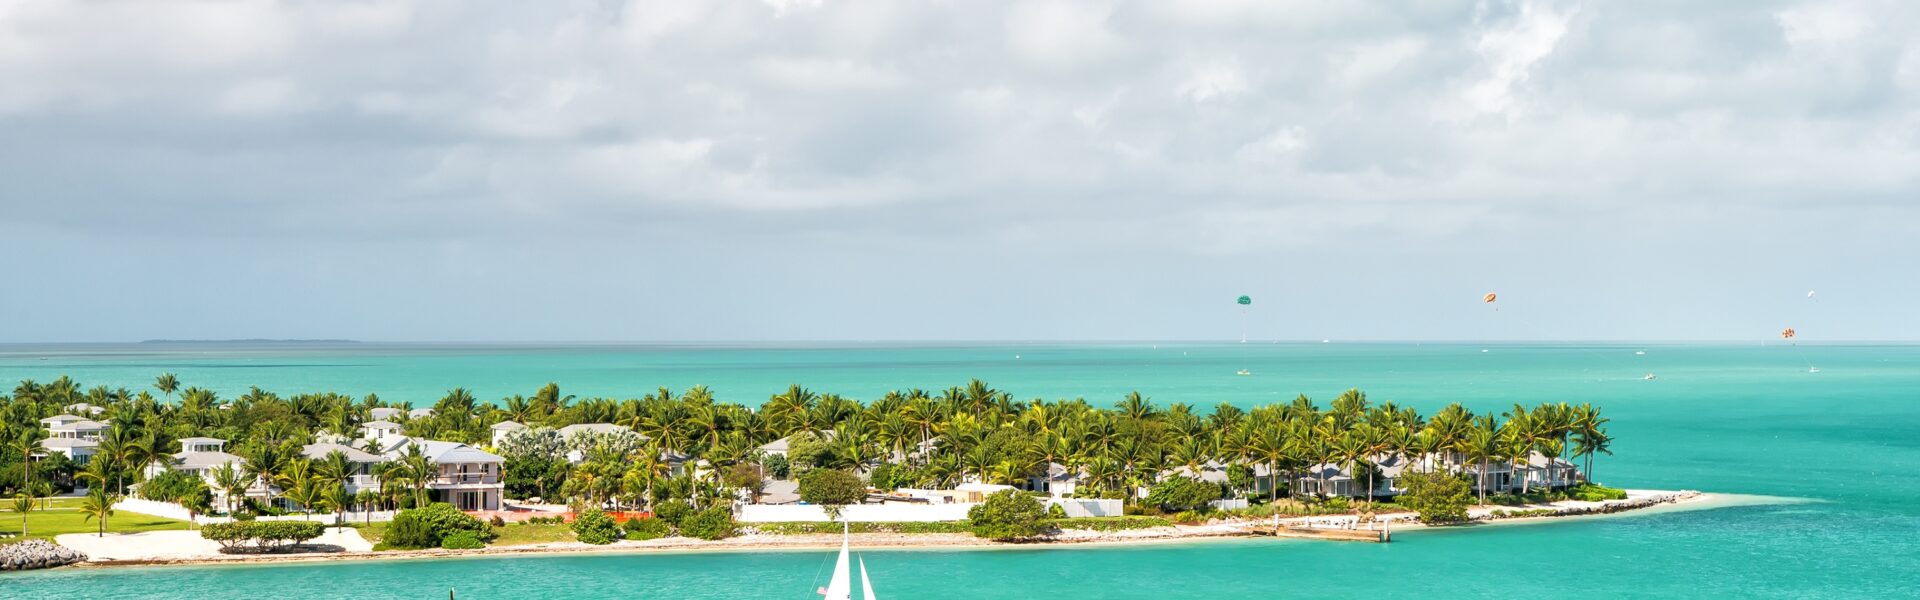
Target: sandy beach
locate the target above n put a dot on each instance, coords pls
(159, 548)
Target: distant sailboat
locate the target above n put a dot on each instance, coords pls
(1640, 353)
(840, 587)
(1813, 369)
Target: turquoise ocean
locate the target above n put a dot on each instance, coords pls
(1820, 472)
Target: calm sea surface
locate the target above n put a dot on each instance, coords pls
(1828, 466)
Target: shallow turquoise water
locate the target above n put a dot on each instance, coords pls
(1745, 419)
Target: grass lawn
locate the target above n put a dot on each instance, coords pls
(65, 517)
(515, 534)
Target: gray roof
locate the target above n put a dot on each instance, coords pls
(205, 460)
(569, 430)
(320, 452)
(57, 443)
(782, 444)
(383, 412)
(78, 425)
(448, 452)
(507, 425)
(380, 425)
(420, 413)
(62, 419)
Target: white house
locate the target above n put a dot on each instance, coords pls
(385, 414)
(202, 457)
(77, 438)
(381, 433)
(469, 478)
(503, 429)
(363, 461)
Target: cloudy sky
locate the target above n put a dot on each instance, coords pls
(885, 169)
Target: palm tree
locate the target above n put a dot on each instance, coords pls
(23, 503)
(166, 383)
(23, 443)
(98, 505)
(233, 483)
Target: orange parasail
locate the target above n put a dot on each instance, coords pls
(1786, 333)
(1490, 297)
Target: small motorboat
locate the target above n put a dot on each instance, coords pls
(1243, 372)
(1813, 369)
(1640, 353)
(1649, 377)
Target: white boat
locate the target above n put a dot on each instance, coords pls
(1813, 369)
(1649, 377)
(1243, 372)
(840, 587)
(1640, 353)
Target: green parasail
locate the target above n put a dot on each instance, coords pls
(1245, 300)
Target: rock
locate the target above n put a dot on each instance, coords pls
(37, 554)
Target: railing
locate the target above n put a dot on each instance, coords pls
(467, 479)
(365, 482)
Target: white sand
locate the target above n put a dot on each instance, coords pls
(188, 545)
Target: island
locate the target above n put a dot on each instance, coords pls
(178, 475)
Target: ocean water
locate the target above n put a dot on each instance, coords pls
(1823, 468)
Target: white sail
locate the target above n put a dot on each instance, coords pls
(866, 585)
(841, 586)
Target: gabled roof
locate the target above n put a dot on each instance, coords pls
(420, 413)
(382, 413)
(379, 425)
(445, 452)
(57, 443)
(58, 419)
(204, 460)
(320, 452)
(503, 425)
(80, 425)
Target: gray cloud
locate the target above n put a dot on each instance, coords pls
(795, 168)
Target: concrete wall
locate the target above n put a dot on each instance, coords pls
(903, 513)
(1077, 507)
(866, 513)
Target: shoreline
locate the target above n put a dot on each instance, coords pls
(1643, 502)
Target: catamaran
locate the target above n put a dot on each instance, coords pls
(840, 587)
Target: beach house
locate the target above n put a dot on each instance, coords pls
(203, 457)
(76, 438)
(362, 476)
(1329, 479)
(468, 478)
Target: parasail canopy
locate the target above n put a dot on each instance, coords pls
(1786, 333)
(1245, 300)
(1490, 297)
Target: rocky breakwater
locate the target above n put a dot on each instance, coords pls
(37, 554)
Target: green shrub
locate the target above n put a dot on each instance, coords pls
(1183, 493)
(1588, 492)
(1109, 524)
(1008, 515)
(1438, 498)
(260, 536)
(1190, 517)
(711, 524)
(1055, 511)
(673, 511)
(408, 531)
(593, 526)
(443, 519)
(649, 528)
(814, 527)
(462, 540)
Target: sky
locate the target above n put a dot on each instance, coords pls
(438, 170)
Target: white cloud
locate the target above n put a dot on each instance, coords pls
(1218, 80)
(1511, 51)
(1059, 34)
(1824, 23)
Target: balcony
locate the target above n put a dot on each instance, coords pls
(462, 479)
